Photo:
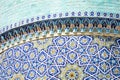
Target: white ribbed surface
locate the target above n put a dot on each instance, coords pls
(12, 11)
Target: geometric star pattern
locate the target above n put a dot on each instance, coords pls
(66, 58)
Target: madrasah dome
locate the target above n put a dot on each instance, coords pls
(59, 39)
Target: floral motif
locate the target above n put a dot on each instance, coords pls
(52, 51)
(42, 44)
(65, 57)
(31, 74)
(91, 69)
(72, 57)
(85, 40)
(104, 67)
(18, 76)
(72, 72)
(116, 71)
(42, 69)
(84, 60)
(59, 41)
(104, 54)
(92, 49)
(42, 78)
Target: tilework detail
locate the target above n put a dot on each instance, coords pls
(77, 14)
(66, 58)
(59, 26)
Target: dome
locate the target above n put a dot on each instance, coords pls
(16, 12)
(59, 39)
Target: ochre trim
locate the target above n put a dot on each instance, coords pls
(34, 38)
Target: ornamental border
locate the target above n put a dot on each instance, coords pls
(10, 44)
(44, 29)
(60, 15)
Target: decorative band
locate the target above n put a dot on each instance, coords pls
(61, 15)
(57, 27)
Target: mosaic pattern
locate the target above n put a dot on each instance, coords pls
(65, 58)
(36, 30)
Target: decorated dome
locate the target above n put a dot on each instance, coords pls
(59, 39)
(14, 13)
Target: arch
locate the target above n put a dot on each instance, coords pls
(95, 22)
(113, 24)
(104, 23)
(59, 24)
(86, 22)
(50, 24)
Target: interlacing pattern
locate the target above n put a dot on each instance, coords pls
(62, 58)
